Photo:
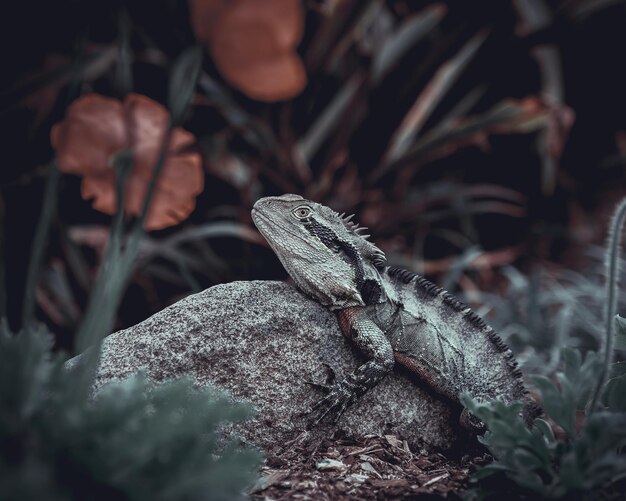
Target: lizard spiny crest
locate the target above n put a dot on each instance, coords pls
(324, 252)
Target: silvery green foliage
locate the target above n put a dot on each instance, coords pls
(587, 401)
(615, 390)
(590, 456)
(542, 312)
(134, 440)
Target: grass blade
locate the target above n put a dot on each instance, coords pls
(328, 120)
(406, 36)
(48, 211)
(426, 102)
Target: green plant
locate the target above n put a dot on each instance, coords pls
(552, 307)
(581, 459)
(133, 440)
(587, 405)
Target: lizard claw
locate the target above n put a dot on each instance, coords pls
(332, 375)
(330, 379)
(322, 387)
(334, 404)
(471, 422)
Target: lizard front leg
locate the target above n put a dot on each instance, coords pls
(372, 342)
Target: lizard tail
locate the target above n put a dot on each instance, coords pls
(531, 411)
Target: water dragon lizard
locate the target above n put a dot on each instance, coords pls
(392, 315)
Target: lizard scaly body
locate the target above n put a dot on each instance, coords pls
(392, 315)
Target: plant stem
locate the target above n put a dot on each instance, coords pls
(612, 277)
(138, 232)
(48, 210)
(107, 290)
(114, 272)
(3, 285)
(120, 257)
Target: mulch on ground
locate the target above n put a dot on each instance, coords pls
(371, 467)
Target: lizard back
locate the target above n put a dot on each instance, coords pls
(442, 340)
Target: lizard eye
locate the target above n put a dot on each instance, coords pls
(302, 212)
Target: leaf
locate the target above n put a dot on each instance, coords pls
(216, 230)
(24, 372)
(510, 116)
(172, 427)
(615, 394)
(572, 361)
(569, 471)
(326, 123)
(617, 369)
(487, 471)
(88, 65)
(124, 66)
(545, 428)
(620, 333)
(459, 265)
(603, 433)
(426, 102)
(404, 38)
(562, 410)
(183, 80)
(255, 131)
(583, 9)
(330, 464)
(55, 295)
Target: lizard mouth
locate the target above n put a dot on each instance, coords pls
(263, 223)
(269, 228)
(258, 218)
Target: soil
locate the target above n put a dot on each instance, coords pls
(370, 467)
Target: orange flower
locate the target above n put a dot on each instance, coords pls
(96, 128)
(253, 44)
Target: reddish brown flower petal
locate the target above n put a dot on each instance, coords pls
(274, 79)
(284, 18)
(102, 190)
(204, 14)
(97, 127)
(280, 20)
(182, 175)
(181, 180)
(148, 123)
(253, 44)
(167, 208)
(92, 131)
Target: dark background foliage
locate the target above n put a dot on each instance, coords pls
(482, 142)
(492, 193)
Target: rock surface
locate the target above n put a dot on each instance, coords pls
(261, 341)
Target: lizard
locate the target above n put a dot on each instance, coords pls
(392, 315)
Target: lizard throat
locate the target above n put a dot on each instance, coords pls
(369, 289)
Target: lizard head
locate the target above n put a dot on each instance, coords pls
(324, 252)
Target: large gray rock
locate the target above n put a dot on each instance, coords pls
(261, 341)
